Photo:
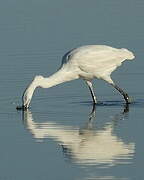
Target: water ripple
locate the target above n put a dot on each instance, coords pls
(86, 146)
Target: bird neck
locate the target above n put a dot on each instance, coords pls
(62, 75)
(59, 77)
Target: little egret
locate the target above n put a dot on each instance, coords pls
(86, 62)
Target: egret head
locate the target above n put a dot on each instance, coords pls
(26, 98)
(28, 93)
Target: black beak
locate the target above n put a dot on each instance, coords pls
(22, 108)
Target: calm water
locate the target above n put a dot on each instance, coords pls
(56, 139)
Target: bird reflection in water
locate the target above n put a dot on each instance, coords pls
(88, 145)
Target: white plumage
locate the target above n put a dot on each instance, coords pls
(87, 63)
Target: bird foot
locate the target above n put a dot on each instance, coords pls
(128, 99)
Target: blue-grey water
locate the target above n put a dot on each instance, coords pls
(56, 139)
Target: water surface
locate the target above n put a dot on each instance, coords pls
(57, 138)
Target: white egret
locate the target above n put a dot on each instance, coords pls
(86, 62)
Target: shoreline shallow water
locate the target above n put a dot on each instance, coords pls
(57, 138)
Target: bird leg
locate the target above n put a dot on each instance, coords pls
(89, 83)
(125, 95)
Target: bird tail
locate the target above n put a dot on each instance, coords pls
(127, 54)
